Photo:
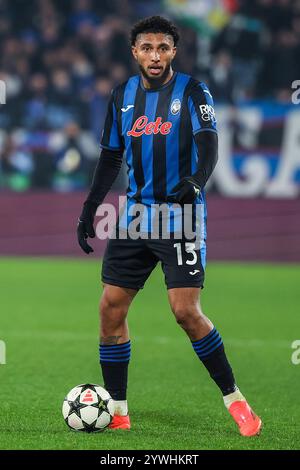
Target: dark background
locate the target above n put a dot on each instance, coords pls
(59, 61)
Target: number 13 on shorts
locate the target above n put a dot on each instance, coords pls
(190, 250)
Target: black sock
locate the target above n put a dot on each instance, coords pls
(114, 360)
(210, 351)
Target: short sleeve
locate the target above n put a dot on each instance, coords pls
(201, 108)
(111, 138)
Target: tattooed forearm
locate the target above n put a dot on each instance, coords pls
(109, 340)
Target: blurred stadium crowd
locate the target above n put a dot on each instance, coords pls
(60, 59)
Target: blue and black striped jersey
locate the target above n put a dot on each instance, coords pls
(156, 129)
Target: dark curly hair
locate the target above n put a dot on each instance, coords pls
(154, 24)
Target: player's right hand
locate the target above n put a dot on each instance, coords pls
(85, 227)
(185, 192)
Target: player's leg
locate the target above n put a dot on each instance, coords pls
(115, 345)
(126, 266)
(183, 263)
(208, 345)
(114, 305)
(205, 339)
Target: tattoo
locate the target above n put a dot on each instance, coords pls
(109, 340)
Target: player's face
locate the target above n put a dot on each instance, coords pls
(154, 53)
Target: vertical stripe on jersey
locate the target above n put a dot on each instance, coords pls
(159, 146)
(185, 130)
(203, 234)
(199, 227)
(108, 124)
(136, 144)
(119, 98)
(194, 157)
(172, 140)
(147, 148)
(114, 139)
(127, 121)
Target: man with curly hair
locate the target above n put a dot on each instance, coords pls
(165, 122)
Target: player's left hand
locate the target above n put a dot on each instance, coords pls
(85, 227)
(185, 192)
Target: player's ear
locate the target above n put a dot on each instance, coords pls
(134, 51)
(174, 51)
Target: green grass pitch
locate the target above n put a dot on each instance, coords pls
(49, 323)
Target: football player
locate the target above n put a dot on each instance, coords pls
(165, 122)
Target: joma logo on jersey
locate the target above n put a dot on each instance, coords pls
(142, 126)
(207, 112)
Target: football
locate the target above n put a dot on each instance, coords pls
(88, 408)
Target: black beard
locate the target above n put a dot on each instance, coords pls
(155, 82)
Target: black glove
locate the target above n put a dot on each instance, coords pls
(85, 227)
(185, 192)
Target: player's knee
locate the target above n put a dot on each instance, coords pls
(185, 315)
(112, 308)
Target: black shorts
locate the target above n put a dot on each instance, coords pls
(128, 263)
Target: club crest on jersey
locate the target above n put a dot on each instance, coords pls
(207, 112)
(142, 126)
(175, 106)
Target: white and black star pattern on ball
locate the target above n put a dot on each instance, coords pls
(88, 408)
